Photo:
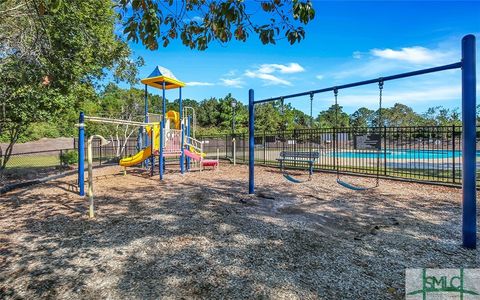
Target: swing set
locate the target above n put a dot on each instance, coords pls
(467, 64)
(309, 157)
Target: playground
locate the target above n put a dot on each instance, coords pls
(202, 236)
(170, 221)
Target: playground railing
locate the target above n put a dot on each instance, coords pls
(195, 144)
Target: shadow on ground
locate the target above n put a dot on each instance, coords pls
(201, 236)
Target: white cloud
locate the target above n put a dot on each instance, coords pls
(197, 19)
(357, 55)
(268, 73)
(233, 82)
(383, 62)
(231, 73)
(283, 69)
(268, 79)
(416, 55)
(372, 68)
(199, 83)
(319, 77)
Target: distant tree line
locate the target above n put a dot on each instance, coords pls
(214, 115)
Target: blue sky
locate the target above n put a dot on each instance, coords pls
(346, 42)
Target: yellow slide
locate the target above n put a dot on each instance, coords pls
(145, 153)
(174, 116)
(137, 158)
(197, 152)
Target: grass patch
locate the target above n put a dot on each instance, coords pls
(27, 161)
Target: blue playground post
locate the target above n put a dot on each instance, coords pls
(182, 127)
(251, 142)
(81, 154)
(469, 221)
(162, 132)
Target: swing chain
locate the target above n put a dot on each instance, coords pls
(311, 109)
(380, 89)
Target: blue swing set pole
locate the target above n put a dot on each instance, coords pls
(469, 220)
(81, 154)
(251, 142)
(182, 127)
(162, 132)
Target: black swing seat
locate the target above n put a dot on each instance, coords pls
(297, 156)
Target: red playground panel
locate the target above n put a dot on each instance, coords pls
(209, 163)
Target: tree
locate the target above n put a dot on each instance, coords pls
(208, 113)
(51, 56)
(198, 22)
(361, 118)
(398, 115)
(119, 104)
(267, 117)
(333, 117)
(441, 116)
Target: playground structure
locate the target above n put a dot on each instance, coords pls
(467, 65)
(171, 135)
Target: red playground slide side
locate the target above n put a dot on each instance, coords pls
(205, 162)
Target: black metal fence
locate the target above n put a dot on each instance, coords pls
(427, 153)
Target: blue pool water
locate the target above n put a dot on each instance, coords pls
(404, 154)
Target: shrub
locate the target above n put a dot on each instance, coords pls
(69, 158)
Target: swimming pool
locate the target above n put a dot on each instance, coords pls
(403, 154)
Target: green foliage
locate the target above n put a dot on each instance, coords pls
(68, 158)
(53, 53)
(151, 21)
(398, 115)
(441, 116)
(268, 117)
(363, 117)
(334, 116)
(40, 130)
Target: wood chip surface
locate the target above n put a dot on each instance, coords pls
(201, 236)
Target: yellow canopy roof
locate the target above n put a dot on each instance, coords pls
(161, 75)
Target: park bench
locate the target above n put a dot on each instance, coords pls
(297, 156)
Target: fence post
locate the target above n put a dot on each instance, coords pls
(385, 150)
(243, 145)
(226, 144)
(453, 153)
(264, 148)
(234, 152)
(61, 154)
(100, 150)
